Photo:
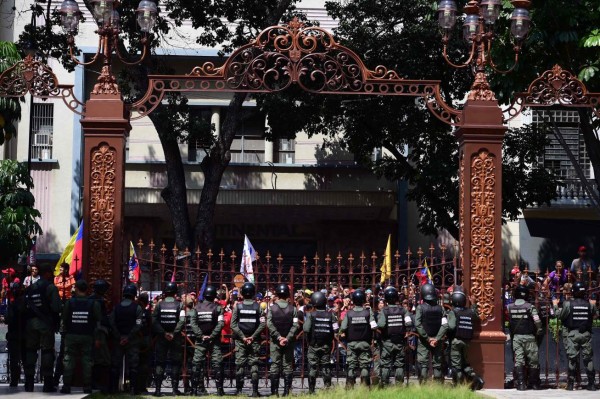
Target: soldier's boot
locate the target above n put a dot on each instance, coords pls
(350, 381)
(476, 382)
(287, 384)
(158, 385)
(366, 381)
(28, 383)
(254, 393)
(239, 384)
(219, 382)
(457, 377)
(534, 378)
(327, 377)
(520, 375)
(591, 375)
(48, 385)
(133, 384)
(201, 389)
(274, 385)
(175, 385)
(312, 384)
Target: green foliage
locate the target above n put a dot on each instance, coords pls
(18, 216)
(404, 36)
(10, 109)
(554, 329)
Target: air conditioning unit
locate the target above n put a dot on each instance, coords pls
(43, 139)
(289, 159)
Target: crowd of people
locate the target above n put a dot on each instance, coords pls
(188, 331)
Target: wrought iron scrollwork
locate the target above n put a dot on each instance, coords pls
(309, 57)
(555, 86)
(32, 76)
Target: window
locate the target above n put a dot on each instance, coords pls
(201, 125)
(249, 143)
(555, 156)
(42, 128)
(287, 151)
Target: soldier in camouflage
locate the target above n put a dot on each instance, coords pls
(357, 327)
(282, 321)
(393, 322)
(577, 315)
(247, 323)
(168, 323)
(525, 325)
(207, 326)
(461, 322)
(431, 325)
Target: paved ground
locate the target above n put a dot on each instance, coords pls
(546, 393)
(19, 393)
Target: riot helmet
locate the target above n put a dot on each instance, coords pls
(318, 300)
(100, 287)
(130, 291)
(521, 292)
(210, 293)
(390, 295)
(358, 297)
(170, 289)
(282, 291)
(459, 299)
(428, 292)
(579, 289)
(248, 291)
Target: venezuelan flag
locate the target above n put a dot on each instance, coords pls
(67, 255)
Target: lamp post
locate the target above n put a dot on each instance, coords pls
(105, 128)
(480, 138)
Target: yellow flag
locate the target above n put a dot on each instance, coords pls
(386, 267)
(67, 253)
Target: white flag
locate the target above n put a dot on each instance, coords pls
(248, 256)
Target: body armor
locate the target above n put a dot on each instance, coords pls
(395, 328)
(36, 297)
(521, 321)
(169, 315)
(80, 317)
(188, 326)
(207, 316)
(464, 323)
(580, 317)
(248, 317)
(432, 318)
(283, 319)
(359, 328)
(321, 328)
(125, 317)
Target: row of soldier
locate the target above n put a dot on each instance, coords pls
(129, 328)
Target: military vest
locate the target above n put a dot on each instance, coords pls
(80, 319)
(208, 316)
(321, 328)
(283, 318)
(521, 320)
(395, 328)
(580, 317)
(36, 297)
(169, 315)
(359, 328)
(432, 318)
(464, 323)
(125, 317)
(248, 317)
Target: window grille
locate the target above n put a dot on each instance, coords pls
(42, 129)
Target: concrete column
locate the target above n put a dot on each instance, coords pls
(269, 145)
(215, 119)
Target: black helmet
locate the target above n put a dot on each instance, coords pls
(170, 289)
(318, 300)
(130, 291)
(428, 292)
(521, 292)
(248, 291)
(391, 295)
(459, 299)
(282, 291)
(100, 286)
(358, 297)
(579, 289)
(210, 293)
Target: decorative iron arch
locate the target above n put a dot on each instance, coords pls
(293, 53)
(556, 86)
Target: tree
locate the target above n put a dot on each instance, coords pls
(17, 212)
(214, 21)
(564, 32)
(420, 149)
(10, 108)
